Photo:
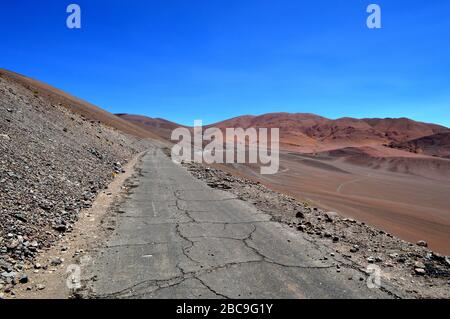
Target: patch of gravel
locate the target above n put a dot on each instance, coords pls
(53, 163)
(410, 268)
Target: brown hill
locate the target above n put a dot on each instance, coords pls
(311, 133)
(292, 127)
(60, 98)
(403, 129)
(156, 126)
(433, 145)
(346, 132)
(285, 121)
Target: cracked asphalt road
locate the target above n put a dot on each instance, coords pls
(177, 238)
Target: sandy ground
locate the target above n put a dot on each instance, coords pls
(411, 207)
(73, 247)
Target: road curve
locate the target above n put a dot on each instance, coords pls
(177, 238)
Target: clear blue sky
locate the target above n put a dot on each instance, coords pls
(215, 59)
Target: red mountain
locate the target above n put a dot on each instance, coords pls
(433, 145)
(312, 133)
(309, 133)
(159, 127)
(404, 129)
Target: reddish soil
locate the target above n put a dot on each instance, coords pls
(404, 196)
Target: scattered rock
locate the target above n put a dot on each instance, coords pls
(401, 259)
(420, 271)
(5, 265)
(40, 287)
(8, 275)
(56, 261)
(419, 264)
(21, 217)
(354, 249)
(422, 243)
(331, 216)
(23, 279)
(300, 215)
(61, 228)
(219, 185)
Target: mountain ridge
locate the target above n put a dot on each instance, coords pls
(309, 133)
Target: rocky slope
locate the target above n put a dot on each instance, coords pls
(53, 162)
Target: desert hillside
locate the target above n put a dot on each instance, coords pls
(434, 145)
(56, 154)
(309, 133)
(85, 109)
(404, 129)
(157, 127)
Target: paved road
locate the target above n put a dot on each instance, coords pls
(177, 238)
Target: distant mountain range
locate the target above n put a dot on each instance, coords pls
(309, 133)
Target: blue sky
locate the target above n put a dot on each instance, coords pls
(216, 59)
